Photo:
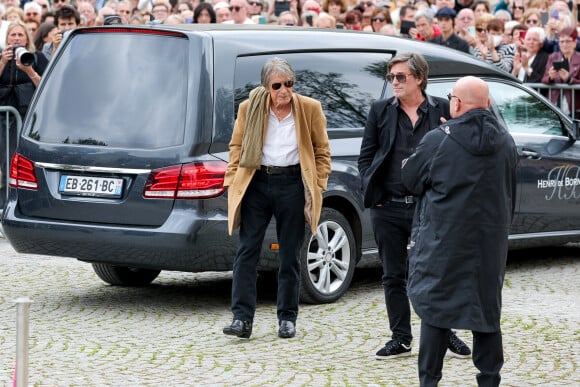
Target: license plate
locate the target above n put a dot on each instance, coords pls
(90, 186)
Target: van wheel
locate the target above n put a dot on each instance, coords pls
(328, 260)
(124, 276)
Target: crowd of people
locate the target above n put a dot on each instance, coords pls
(535, 40)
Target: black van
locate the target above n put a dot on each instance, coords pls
(124, 148)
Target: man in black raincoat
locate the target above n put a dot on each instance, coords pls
(465, 175)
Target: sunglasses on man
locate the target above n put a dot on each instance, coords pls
(278, 85)
(401, 78)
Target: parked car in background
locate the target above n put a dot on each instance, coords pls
(123, 153)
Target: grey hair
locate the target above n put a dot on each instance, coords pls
(503, 12)
(427, 13)
(418, 66)
(540, 31)
(278, 66)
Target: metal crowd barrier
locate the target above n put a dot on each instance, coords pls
(546, 90)
(5, 112)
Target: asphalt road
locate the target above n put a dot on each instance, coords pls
(86, 333)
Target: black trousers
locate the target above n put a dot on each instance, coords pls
(280, 195)
(392, 228)
(487, 356)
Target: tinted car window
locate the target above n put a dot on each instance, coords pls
(521, 111)
(345, 83)
(154, 68)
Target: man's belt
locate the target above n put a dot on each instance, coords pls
(274, 170)
(403, 199)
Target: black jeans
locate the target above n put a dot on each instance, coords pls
(392, 228)
(487, 356)
(282, 196)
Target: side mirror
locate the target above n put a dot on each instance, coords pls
(576, 133)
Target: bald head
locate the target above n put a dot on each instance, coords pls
(471, 93)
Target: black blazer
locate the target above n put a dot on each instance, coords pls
(378, 138)
(538, 67)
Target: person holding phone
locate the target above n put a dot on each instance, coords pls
(66, 19)
(407, 21)
(563, 67)
(465, 26)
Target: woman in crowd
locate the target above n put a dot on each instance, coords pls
(480, 31)
(480, 7)
(532, 18)
(491, 49)
(204, 14)
(335, 8)
(379, 18)
(18, 80)
(530, 60)
(517, 8)
(14, 13)
(43, 35)
(352, 20)
(563, 67)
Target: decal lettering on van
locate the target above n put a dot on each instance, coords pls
(561, 183)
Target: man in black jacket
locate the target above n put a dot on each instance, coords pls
(448, 38)
(465, 175)
(394, 128)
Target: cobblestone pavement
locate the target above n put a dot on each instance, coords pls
(85, 333)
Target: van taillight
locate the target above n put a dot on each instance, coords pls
(197, 180)
(22, 174)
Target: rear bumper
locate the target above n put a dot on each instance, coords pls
(185, 242)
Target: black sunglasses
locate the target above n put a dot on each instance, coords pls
(278, 85)
(235, 8)
(401, 78)
(255, 3)
(451, 96)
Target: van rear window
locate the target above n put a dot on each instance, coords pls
(119, 90)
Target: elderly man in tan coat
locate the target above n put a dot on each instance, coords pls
(279, 165)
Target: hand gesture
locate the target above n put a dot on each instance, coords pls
(7, 54)
(564, 74)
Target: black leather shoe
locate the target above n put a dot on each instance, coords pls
(239, 328)
(287, 329)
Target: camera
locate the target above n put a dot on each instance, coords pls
(24, 56)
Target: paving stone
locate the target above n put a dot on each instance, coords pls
(86, 333)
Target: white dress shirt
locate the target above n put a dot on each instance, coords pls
(281, 145)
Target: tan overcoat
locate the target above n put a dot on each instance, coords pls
(314, 153)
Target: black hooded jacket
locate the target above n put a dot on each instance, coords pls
(465, 174)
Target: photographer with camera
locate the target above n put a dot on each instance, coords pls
(20, 70)
(67, 18)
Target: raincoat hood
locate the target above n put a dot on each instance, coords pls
(477, 131)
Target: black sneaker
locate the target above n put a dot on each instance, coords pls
(457, 348)
(393, 349)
